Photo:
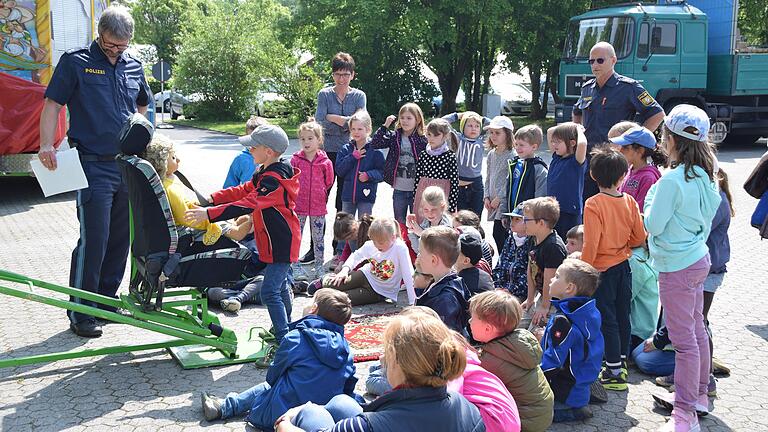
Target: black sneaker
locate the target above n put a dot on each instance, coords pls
(571, 414)
(308, 258)
(300, 287)
(597, 393)
(88, 328)
(314, 286)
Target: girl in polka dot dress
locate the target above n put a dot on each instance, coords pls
(437, 164)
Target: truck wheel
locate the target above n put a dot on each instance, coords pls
(167, 106)
(174, 115)
(732, 139)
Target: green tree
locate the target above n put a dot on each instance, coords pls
(161, 23)
(378, 36)
(753, 21)
(227, 56)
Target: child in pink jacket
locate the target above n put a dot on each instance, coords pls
(486, 391)
(315, 180)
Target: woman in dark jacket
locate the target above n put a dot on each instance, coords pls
(420, 356)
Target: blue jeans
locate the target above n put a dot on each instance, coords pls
(359, 208)
(238, 404)
(471, 196)
(315, 417)
(402, 204)
(656, 362)
(275, 296)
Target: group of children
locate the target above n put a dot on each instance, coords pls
(578, 280)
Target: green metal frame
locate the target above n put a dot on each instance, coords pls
(184, 317)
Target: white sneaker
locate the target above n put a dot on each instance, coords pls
(681, 421)
(230, 305)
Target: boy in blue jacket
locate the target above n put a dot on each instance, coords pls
(447, 295)
(572, 343)
(312, 364)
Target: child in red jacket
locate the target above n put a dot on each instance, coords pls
(315, 181)
(270, 197)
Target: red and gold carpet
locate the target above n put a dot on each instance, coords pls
(364, 334)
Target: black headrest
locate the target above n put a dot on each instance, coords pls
(136, 134)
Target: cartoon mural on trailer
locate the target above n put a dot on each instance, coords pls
(23, 52)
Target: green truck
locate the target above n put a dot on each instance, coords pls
(682, 52)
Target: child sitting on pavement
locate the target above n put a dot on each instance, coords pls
(513, 355)
(511, 272)
(574, 239)
(471, 253)
(433, 208)
(540, 216)
(385, 266)
(312, 364)
(573, 343)
(472, 219)
(447, 295)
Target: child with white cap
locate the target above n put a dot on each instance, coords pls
(501, 145)
(678, 216)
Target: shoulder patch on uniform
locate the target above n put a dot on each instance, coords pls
(645, 98)
(628, 80)
(560, 329)
(78, 49)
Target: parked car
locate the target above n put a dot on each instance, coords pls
(437, 101)
(171, 102)
(269, 102)
(515, 98)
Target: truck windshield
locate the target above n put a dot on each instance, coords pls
(582, 35)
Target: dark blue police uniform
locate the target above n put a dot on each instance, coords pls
(100, 97)
(619, 99)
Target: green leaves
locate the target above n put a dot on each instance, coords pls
(228, 55)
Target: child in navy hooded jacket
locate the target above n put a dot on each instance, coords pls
(573, 344)
(312, 364)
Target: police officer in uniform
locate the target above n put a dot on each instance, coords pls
(610, 98)
(102, 86)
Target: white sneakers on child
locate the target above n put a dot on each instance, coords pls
(681, 421)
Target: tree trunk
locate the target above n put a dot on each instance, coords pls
(534, 73)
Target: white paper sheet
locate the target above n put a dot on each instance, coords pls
(67, 176)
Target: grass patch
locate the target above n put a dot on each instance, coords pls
(236, 127)
(544, 124)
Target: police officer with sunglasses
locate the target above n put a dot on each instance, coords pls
(610, 98)
(102, 86)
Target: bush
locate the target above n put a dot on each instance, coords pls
(299, 86)
(229, 51)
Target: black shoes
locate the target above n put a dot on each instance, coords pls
(88, 328)
(308, 258)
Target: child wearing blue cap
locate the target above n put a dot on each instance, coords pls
(678, 216)
(637, 144)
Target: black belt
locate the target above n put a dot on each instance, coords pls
(97, 158)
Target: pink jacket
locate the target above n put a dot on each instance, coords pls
(491, 397)
(315, 180)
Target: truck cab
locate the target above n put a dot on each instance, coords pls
(680, 53)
